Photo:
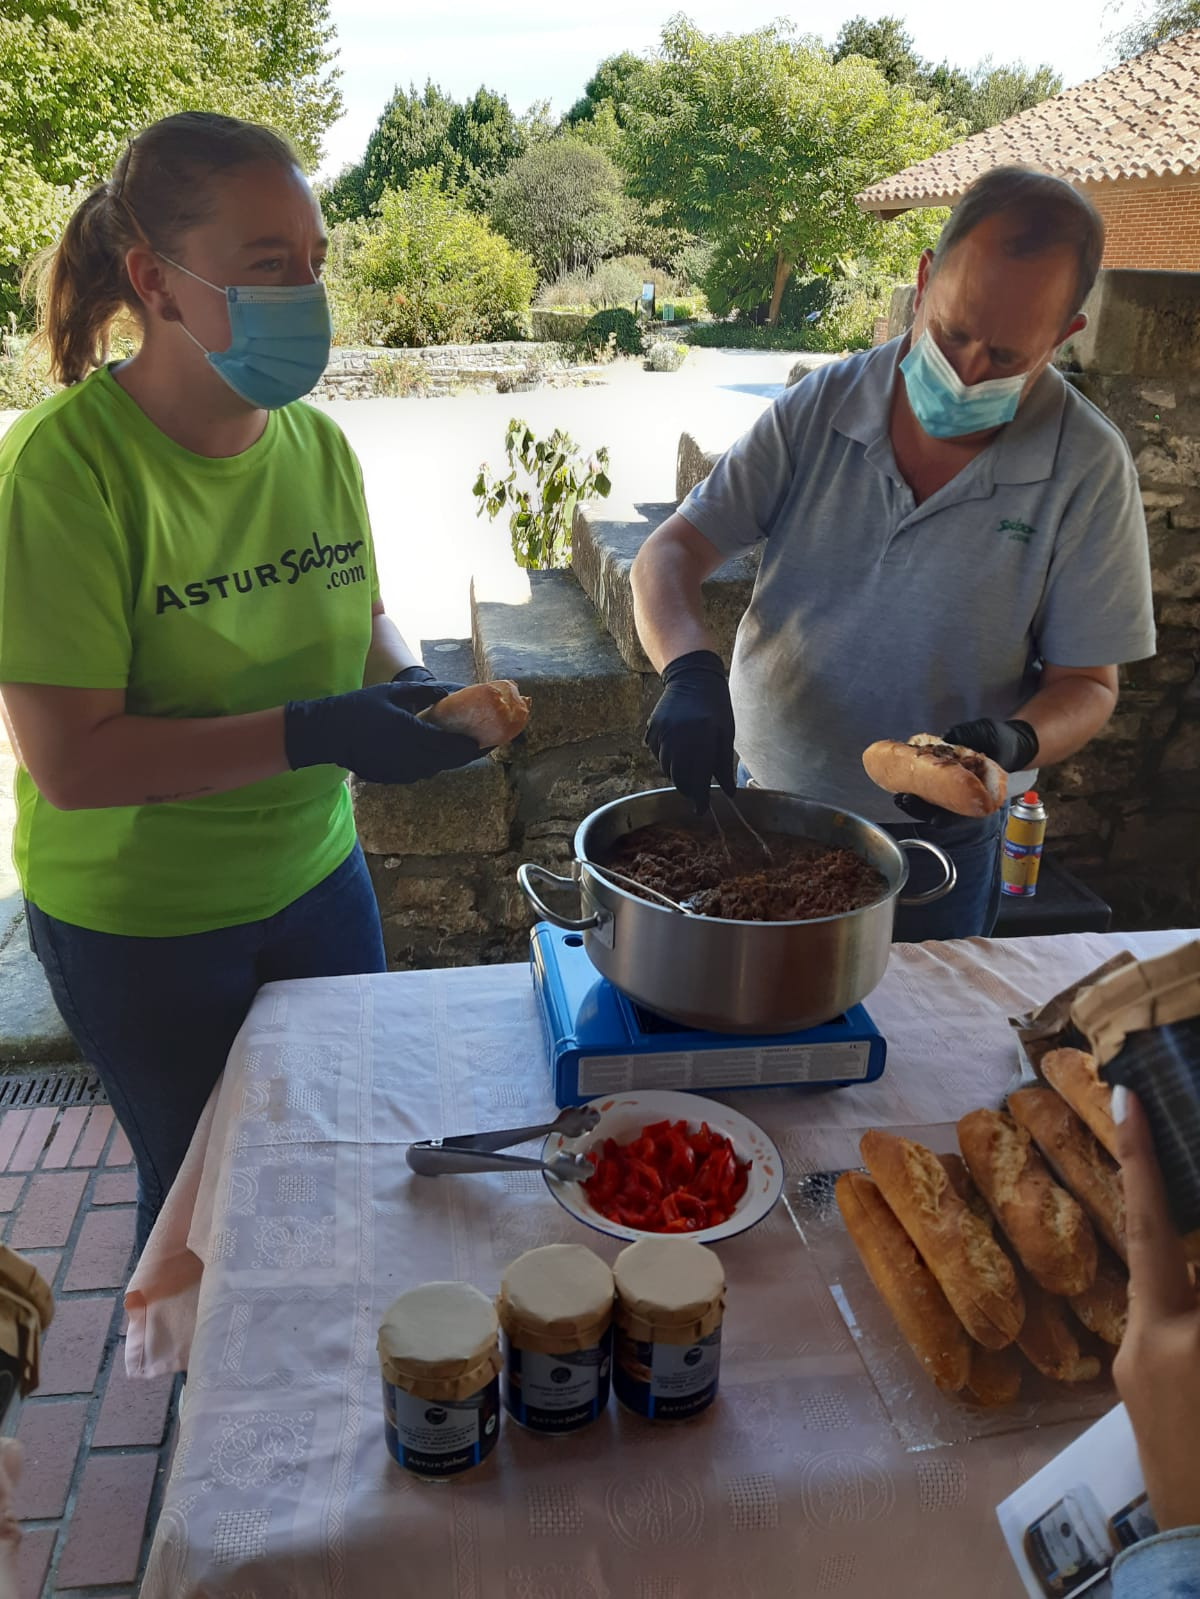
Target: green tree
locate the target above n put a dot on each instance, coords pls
(616, 83)
(1162, 21)
(563, 204)
(886, 42)
(471, 144)
(433, 272)
(761, 142)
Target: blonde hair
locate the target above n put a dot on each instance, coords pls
(162, 185)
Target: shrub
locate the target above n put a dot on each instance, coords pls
(563, 203)
(24, 377)
(664, 355)
(398, 379)
(620, 326)
(425, 270)
(742, 335)
(542, 509)
(557, 324)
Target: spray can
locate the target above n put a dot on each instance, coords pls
(1023, 839)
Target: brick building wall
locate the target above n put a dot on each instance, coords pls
(1152, 224)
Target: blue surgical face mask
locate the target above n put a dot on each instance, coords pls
(945, 406)
(280, 338)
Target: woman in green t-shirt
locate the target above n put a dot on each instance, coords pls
(189, 610)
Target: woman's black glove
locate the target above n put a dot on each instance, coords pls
(691, 728)
(375, 733)
(1012, 745)
(432, 688)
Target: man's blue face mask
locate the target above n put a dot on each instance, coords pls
(945, 406)
(280, 338)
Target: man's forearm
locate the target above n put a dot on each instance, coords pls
(1066, 714)
(668, 604)
(388, 653)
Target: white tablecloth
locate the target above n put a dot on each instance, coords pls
(299, 1205)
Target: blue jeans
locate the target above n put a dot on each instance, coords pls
(970, 909)
(156, 1017)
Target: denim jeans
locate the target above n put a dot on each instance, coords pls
(970, 909)
(156, 1017)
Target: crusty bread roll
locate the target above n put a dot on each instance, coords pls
(974, 1273)
(490, 713)
(1048, 1340)
(1076, 1158)
(906, 1285)
(960, 1180)
(1044, 1223)
(950, 775)
(1073, 1073)
(995, 1377)
(1104, 1307)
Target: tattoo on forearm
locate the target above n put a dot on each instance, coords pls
(165, 799)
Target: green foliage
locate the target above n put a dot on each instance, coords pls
(969, 101)
(24, 380)
(563, 204)
(760, 143)
(394, 379)
(611, 89)
(665, 355)
(1162, 20)
(743, 335)
(610, 283)
(426, 270)
(619, 328)
(545, 481)
(82, 76)
(470, 144)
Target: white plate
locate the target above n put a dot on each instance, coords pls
(622, 1117)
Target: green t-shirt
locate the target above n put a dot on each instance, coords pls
(202, 588)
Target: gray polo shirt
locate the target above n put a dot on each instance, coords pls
(874, 617)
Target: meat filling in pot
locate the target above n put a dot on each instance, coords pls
(803, 881)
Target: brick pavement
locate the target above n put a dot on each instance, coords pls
(96, 1444)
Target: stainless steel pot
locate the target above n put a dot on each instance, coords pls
(729, 976)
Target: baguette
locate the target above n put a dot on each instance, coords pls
(950, 775)
(906, 1285)
(1104, 1307)
(1076, 1158)
(1047, 1338)
(490, 713)
(995, 1377)
(973, 1271)
(1044, 1223)
(1073, 1073)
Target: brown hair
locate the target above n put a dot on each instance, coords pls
(1048, 214)
(161, 186)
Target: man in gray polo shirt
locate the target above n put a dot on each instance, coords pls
(954, 544)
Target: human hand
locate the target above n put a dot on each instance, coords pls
(375, 733)
(1157, 1369)
(1012, 745)
(691, 728)
(426, 689)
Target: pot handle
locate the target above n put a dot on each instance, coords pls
(939, 889)
(528, 874)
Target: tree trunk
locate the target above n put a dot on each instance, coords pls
(783, 271)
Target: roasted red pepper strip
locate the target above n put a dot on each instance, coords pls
(668, 1179)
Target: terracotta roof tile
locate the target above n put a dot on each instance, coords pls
(1140, 120)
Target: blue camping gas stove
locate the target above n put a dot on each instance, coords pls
(602, 1042)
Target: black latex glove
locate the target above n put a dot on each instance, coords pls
(375, 733)
(1012, 745)
(432, 688)
(691, 728)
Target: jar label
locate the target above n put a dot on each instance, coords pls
(667, 1382)
(440, 1440)
(557, 1393)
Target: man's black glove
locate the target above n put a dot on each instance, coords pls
(1012, 745)
(691, 728)
(375, 733)
(430, 689)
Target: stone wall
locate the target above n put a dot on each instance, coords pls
(350, 373)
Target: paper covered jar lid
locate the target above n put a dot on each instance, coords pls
(438, 1330)
(668, 1279)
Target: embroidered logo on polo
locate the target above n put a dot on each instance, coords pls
(336, 560)
(1020, 531)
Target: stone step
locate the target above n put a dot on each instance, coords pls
(540, 629)
(605, 540)
(31, 1030)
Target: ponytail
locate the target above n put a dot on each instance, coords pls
(161, 187)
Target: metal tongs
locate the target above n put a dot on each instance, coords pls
(742, 817)
(476, 1152)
